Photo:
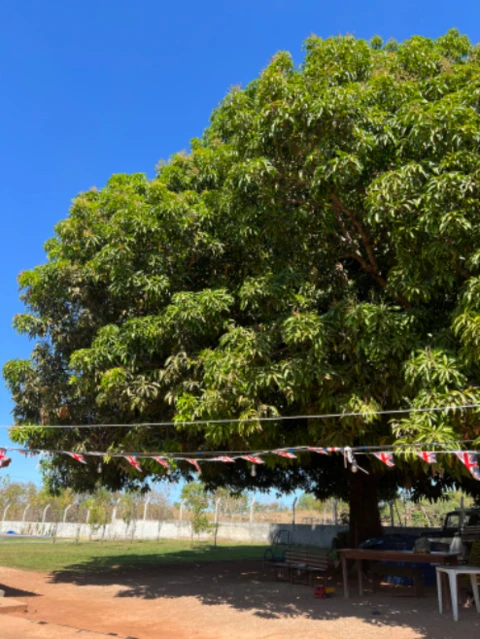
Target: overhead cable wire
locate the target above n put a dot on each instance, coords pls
(205, 422)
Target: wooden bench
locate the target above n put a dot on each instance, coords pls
(391, 570)
(301, 564)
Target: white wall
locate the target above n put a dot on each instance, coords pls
(301, 534)
(314, 535)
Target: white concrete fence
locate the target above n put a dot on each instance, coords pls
(301, 534)
(312, 535)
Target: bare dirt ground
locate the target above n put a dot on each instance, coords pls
(223, 599)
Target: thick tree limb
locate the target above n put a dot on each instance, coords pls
(370, 266)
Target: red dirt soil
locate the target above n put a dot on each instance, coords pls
(224, 599)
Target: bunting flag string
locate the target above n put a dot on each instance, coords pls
(428, 456)
(470, 461)
(475, 472)
(195, 463)
(162, 461)
(469, 458)
(253, 459)
(77, 457)
(4, 460)
(285, 453)
(386, 458)
(134, 462)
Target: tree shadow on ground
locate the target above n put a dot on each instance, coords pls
(244, 586)
(17, 593)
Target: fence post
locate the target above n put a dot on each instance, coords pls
(45, 513)
(252, 507)
(87, 518)
(5, 514)
(294, 503)
(182, 503)
(114, 511)
(145, 507)
(398, 514)
(158, 529)
(134, 523)
(215, 523)
(335, 511)
(392, 518)
(65, 512)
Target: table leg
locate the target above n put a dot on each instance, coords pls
(345, 577)
(473, 579)
(439, 591)
(446, 596)
(360, 577)
(418, 585)
(454, 594)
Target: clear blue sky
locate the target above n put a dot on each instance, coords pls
(95, 88)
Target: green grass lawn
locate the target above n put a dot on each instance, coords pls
(49, 557)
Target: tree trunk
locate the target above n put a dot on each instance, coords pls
(365, 520)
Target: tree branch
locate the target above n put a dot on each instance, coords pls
(370, 266)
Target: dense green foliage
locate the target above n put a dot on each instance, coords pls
(316, 251)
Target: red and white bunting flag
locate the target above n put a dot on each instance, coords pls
(134, 462)
(320, 451)
(475, 472)
(386, 458)
(285, 453)
(227, 460)
(4, 460)
(335, 450)
(470, 460)
(162, 460)
(195, 463)
(77, 457)
(428, 456)
(253, 459)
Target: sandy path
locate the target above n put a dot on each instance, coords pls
(214, 601)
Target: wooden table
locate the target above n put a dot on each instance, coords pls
(405, 556)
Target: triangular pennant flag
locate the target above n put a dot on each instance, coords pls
(4, 461)
(386, 458)
(195, 463)
(320, 451)
(134, 462)
(227, 460)
(162, 460)
(475, 472)
(428, 456)
(470, 460)
(334, 450)
(77, 457)
(285, 453)
(253, 459)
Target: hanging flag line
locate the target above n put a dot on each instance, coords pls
(399, 411)
(287, 453)
(468, 458)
